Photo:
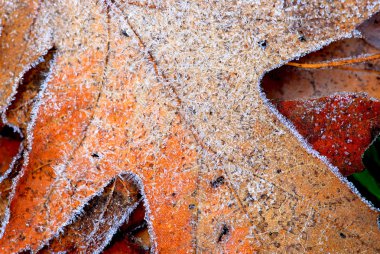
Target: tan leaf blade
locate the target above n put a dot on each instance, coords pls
(166, 92)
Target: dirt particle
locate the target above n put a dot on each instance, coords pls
(263, 44)
(124, 33)
(225, 230)
(94, 155)
(273, 235)
(302, 38)
(217, 182)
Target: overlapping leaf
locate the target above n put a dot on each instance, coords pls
(340, 127)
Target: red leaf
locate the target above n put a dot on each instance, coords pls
(340, 127)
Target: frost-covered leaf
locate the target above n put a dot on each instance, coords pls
(340, 127)
(19, 112)
(15, 121)
(292, 83)
(167, 93)
(331, 97)
(99, 220)
(132, 236)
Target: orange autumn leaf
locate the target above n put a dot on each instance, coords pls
(166, 94)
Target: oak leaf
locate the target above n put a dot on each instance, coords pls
(166, 93)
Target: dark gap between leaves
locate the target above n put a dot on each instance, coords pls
(10, 133)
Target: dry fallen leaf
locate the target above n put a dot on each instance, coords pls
(340, 127)
(333, 103)
(133, 236)
(168, 93)
(99, 219)
(370, 30)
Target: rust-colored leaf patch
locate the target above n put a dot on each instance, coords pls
(340, 127)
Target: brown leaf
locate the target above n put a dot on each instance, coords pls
(291, 83)
(132, 236)
(92, 229)
(370, 30)
(166, 93)
(19, 112)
